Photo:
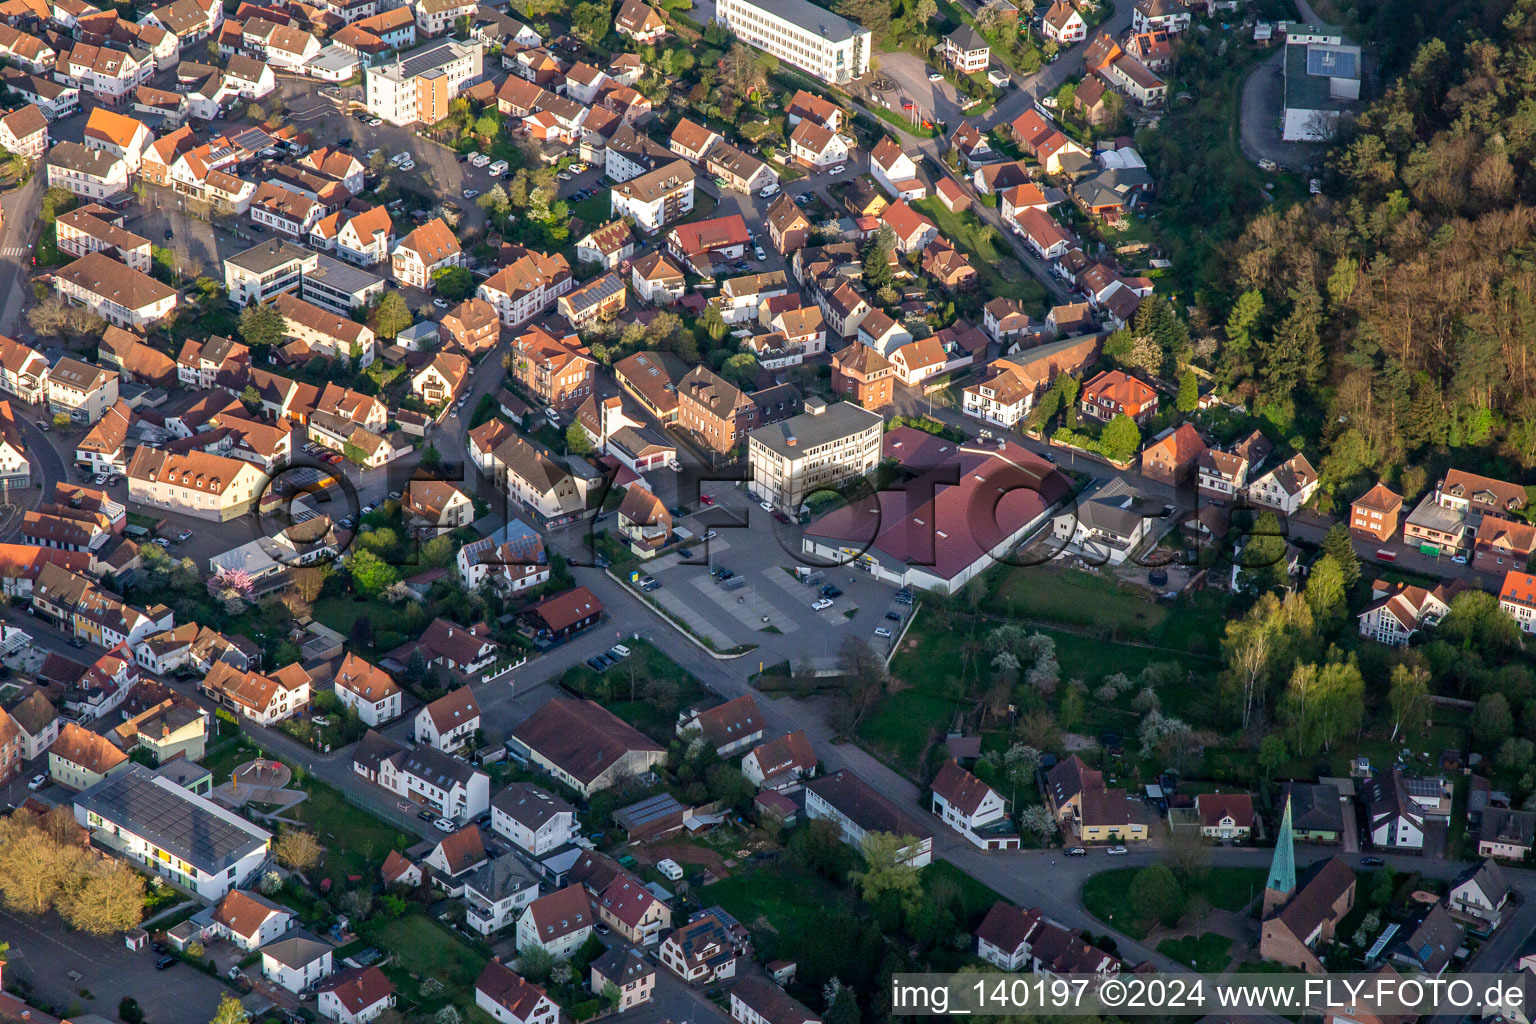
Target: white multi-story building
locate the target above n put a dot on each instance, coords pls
(172, 832)
(798, 32)
(88, 173)
(533, 819)
(267, 270)
(820, 448)
(418, 86)
(369, 689)
(115, 291)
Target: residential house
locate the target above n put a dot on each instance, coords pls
(194, 483)
(369, 689)
(496, 893)
(1225, 815)
(714, 411)
(438, 382)
(563, 615)
(972, 808)
(559, 922)
(249, 920)
(780, 763)
(88, 173)
(509, 999)
(533, 819)
(354, 996)
(24, 132)
(895, 171)
(1286, 487)
(471, 326)
(1171, 457)
(1398, 611)
(526, 287)
(729, 728)
(863, 375)
(607, 245)
(706, 949)
(265, 698)
(626, 969)
(79, 758)
(597, 301)
(816, 147)
(858, 810)
(426, 250)
(1481, 893)
(966, 51)
(1114, 393)
(657, 280)
(788, 226)
(297, 962)
(1506, 834)
(559, 372)
(584, 746)
(639, 21)
(1373, 515)
(1063, 24)
(1004, 936)
(450, 721)
(114, 291)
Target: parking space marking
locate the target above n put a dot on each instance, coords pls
(750, 608)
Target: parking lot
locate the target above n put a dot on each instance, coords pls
(44, 953)
(771, 608)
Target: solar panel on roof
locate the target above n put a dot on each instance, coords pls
(1333, 62)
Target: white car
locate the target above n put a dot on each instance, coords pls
(38, 782)
(881, 631)
(934, 76)
(766, 506)
(1117, 851)
(409, 165)
(839, 169)
(440, 303)
(770, 189)
(443, 825)
(470, 193)
(374, 122)
(817, 606)
(757, 251)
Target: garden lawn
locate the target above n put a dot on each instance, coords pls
(425, 949)
(340, 612)
(1231, 888)
(968, 232)
(790, 905)
(1107, 895)
(1207, 954)
(355, 841)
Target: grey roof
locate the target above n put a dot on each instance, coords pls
(528, 805)
(265, 257)
(1113, 185)
(644, 812)
(1315, 807)
(808, 430)
(184, 773)
(501, 878)
(1333, 61)
(816, 20)
(437, 767)
(1430, 516)
(422, 61)
(1488, 877)
(159, 811)
(297, 950)
(1304, 90)
(1432, 941)
(342, 277)
(1109, 517)
(967, 38)
(1517, 828)
(623, 966)
(79, 158)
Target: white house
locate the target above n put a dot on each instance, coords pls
(249, 920)
(973, 808)
(369, 689)
(355, 996)
(560, 922)
(1287, 487)
(895, 171)
(1480, 892)
(858, 810)
(450, 721)
(509, 999)
(1393, 819)
(496, 894)
(535, 820)
(1003, 937)
(297, 962)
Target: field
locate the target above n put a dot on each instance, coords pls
(1107, 895)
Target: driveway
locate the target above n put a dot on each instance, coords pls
(43, 953)
(1263, 100)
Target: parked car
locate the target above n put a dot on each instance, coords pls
(882, 632)
(425, 815)
(685, 552)
(839, 169)
(619, 652)
(595, 665)
(934, 76)
(165, 963)
(893, 616)
(1117, 851)
(705, 499)
(824, 602)
(1371, 862)
(38, 782)
(1076, 851)
(443, 825)
(653, 585)
(182, 536)
(766, 506)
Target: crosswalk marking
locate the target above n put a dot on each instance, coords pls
(13, 250)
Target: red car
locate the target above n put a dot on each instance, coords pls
(706, 499)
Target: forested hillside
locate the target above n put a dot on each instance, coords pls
(1390, 321)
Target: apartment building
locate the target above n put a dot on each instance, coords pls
(819, 449)
(655, 198)
(423, 252)
(24, 131)
(94, 228)
(557, 371)
(527, 287)
(716, 412)
(115, 291)
(194, 483)
(419, 86)
(799, 32)
(83, 391)
(88, 173)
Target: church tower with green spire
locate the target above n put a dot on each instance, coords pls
(1282, 869)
